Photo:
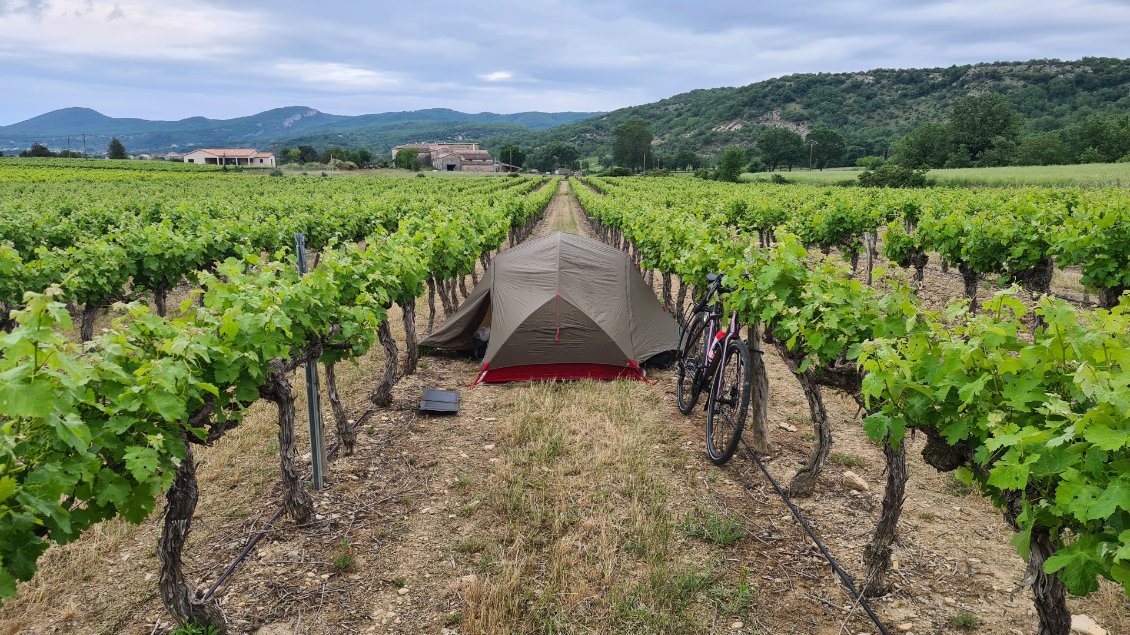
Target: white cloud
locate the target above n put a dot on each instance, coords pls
(497, 76)
(134, 29)
(335, 76)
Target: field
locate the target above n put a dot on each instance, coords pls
(567, 507)
(1087, 175)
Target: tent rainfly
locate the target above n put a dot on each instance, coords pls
(560, 307)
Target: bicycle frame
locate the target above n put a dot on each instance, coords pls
(717, 366)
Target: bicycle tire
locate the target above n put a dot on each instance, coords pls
(692, 356)
(728, 403)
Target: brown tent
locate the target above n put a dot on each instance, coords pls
(560, 307)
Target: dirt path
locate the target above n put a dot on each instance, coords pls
(564, 214)
(574, 507)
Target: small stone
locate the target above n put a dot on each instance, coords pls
(856, 482)
(950, 602)
(905, 627)
(490, 419)
(786, 426)
(1084, 625)
(494, 459)
(489, 446)
(403, 590)
(319, 517)
(895, 564)
(736, 626)
(306, 457)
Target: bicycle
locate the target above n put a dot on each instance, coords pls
(717, 361)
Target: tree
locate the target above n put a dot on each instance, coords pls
(730, 165)
(362, 156)
(825, 146)
(511, 154)
(408, 159)
(554, 155)
(334, 152)
(116, 150)
(781, 146)
(1107, 137)
(307, 154)
(1042, 149)
(977, 122)
(37, 150)
(631, 145)
(685, 159)
(927, 146)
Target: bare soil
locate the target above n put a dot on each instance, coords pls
(572, 507)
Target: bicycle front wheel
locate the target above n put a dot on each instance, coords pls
(728, 403)
(688, 368)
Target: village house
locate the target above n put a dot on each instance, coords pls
(451, 156)
(245, 157)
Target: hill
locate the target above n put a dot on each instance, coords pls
(64, 128)
(869, 108)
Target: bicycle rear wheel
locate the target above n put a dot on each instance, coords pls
(728, 403)
(692, 357)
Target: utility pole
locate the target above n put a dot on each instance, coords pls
(84, 145)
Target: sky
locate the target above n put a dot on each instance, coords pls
(171, 59)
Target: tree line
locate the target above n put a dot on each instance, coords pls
(346, 158)
(985, 131)
(115, 150)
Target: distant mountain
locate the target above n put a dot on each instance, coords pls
(65, 128)
(869, 108)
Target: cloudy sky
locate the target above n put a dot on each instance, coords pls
(169, 59)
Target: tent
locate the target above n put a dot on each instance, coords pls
(560, 307)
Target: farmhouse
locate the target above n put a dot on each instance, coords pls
(451, 157)
(231, 156)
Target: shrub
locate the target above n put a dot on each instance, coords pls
(869, 162)
(658, 172)
(965, 620)
(892, 175)
(617, 171)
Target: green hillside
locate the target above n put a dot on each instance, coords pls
(63, 129)
(869, 108)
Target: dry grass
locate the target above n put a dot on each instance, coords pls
(580, 527)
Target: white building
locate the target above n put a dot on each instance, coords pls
(228, 156)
